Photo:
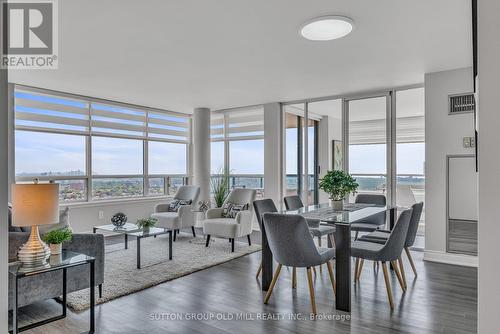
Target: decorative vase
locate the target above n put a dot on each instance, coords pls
(146, 229)
(337, 205)
(55, 249)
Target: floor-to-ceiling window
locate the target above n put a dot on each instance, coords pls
(367, 138)
(384, 148)
(410, 149)
(238, 147)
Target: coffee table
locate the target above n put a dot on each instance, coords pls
(133, 230)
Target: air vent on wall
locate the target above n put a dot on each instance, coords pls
(461, 103)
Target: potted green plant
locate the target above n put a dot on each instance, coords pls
(220, 186)
(56, 238)
(146, 223)
(338, 184)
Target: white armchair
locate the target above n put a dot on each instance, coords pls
(184, 217)
(239, 226)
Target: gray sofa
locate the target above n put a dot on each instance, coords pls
(49, 285)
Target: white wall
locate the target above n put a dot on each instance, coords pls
(272, 152)
(4, 166)
(84, 216)
(330, 128)
(443, 136)
(201, 151)
(489, 162)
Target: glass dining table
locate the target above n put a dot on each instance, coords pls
(342, 221)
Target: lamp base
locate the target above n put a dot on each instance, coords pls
(34, 253)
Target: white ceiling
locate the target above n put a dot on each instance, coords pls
(225, 53)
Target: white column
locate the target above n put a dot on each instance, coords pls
(201, 151)
(273, 157)
(489, 162)
(4, 186)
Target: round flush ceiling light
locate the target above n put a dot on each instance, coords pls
(326, 28)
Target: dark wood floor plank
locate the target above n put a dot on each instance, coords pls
(443, 299)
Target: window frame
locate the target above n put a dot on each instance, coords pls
(89, 177)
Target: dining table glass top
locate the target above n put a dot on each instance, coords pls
(351, 213)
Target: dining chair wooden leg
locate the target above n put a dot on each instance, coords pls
(398, 275)
(294, 278)
(356, 267)
(360, 269)
(332, 240)
(311, 290)
(320, 266)
(314, 269)
(332, 278)
(273, 283)
(402, 269)
(410, 258)
(259, 270)
(388, 285)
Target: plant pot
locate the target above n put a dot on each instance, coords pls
(55, 249)
(337, 205)
(146, 229)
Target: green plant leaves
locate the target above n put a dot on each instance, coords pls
(338, 184)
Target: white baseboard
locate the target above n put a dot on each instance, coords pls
(450, 258)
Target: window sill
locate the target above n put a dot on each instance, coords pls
(114, 201)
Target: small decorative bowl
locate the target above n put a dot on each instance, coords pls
(119, 219)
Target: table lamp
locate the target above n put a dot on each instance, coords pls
(34, 205)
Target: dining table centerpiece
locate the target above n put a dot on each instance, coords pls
(338, 184)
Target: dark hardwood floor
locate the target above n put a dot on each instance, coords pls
(443, 299)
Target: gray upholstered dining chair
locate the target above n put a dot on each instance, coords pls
(381, 236)
(178, 214)
(292, 245)
(388, 252)
(317, 230)
(260, 207)
(374, 222)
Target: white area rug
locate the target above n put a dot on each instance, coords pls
(121, 276)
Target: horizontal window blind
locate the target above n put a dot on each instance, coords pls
(408, 130)
(54, 112)
(238, 123)
(39, 111)
(168, 126)
(217, 126)
(110, 119)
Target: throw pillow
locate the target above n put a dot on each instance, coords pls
(231, 210)
(173, 206)
(176, 204)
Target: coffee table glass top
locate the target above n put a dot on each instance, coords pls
(132, 229)
(64, 260)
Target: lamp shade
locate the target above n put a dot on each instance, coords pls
(35, 204)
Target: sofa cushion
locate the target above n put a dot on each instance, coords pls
(230, 210)
(63, 223)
